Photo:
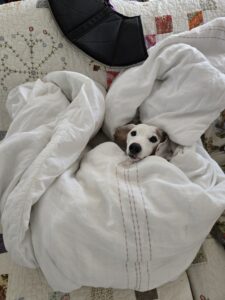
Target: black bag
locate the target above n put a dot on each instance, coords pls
(94, 27)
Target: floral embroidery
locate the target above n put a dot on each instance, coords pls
(30, 69)
(101, 294)
(208, 5)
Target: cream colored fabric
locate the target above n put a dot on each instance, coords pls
(51, 132)
(30, 284)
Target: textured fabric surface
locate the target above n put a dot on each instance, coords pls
(24, 284)
(162, 18)
(51, 134)
(211, 9)
(173, 94)
(33, 46)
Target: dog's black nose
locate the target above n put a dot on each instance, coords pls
(135, 148)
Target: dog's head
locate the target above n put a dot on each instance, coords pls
(139, 141)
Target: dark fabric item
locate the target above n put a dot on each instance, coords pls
(2, 246)
(99, 31)
(149, 295)
(7, 1)
(2, 135)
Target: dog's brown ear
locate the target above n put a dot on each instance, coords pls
(120, 135)
(166, 147)
(162, 135)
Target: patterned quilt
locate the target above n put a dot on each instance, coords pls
(34, 47)
(166, 17)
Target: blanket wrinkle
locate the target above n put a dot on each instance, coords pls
(85, 217)
(178, 70)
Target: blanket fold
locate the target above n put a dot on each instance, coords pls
(47, 142)
(89, 217)
(179, 88)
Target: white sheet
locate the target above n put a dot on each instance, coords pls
(97, 220)
(179, 88)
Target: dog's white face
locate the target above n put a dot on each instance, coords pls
(142, 141)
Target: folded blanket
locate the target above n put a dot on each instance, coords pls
(89, 217)
(180, 88)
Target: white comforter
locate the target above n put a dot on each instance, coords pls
(91, 218)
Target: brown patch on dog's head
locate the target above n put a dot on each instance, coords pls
(120, 135)
(161, 134)
(166, 147)
(221, 120)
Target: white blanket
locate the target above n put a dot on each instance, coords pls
(90, 218)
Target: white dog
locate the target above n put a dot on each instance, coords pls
(140, 141)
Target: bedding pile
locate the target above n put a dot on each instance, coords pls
(76, 212)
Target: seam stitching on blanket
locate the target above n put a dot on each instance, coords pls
(134, 228)
(214, 29)
(147, 223)
(138, 228)
(202, 37)
(124, 227)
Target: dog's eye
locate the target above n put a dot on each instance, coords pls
(153, 139)
(133, 133)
